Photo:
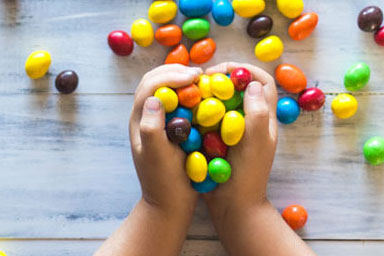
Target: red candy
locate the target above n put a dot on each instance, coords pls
(214, 146)
(379, 36)
(296, 216)
(311, 99)
(189, 96)
(241, 77)
(120, 42)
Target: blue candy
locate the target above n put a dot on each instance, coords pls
(180, 112)
(288, 110)
(222, 12)
(206, 186)
(195, 8)
(193, 143)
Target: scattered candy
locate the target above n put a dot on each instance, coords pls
(67, 81)
(2, 253)
(162, 11)
(142, 32)
(344, 105)
(357, 76)
(191, 8)
(291, 78)
(189, 96)
(180, 112)
(37, 64)
(248, 8)
(168, 35)
(290, 8)
(178, 129)
(234, 102)
(311, 99)
(288, 110)
(204, 130)
(241, 77)
(221, 86)
(120, 43)
(296, 216)
(269, 49)
(303, 26)
(370, 19)
(219, 170)
(374, 150)
(178, 55)
(203, 50)
(379, 36)
(196, 166)
(196, 28)
(193, 143)
(206, 186)
(214, 146)
(210, 112)
(232, 128)
(205, 86)
(259, 26)
(222, 12)
(168, 98)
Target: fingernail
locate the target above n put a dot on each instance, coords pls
(254, 89)
(152, 104)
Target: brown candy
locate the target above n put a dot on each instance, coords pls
(259, 26)
(178, 129)
(67, 81)
(370, 19)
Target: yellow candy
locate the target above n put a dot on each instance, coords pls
(196, 166)
(344, 105)
(222, 86)
(194, 114)
(205, 86)
(142, 32)
(203, 130)
(162, 11)
(2, 253)
(248, 8)
(290, 8)
(269, 49)
(168, 98)
(232, 128)
(37, 64)
(210, 112)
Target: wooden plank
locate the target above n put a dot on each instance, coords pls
(75, 33)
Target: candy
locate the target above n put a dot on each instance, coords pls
(269, 49)
(205, 86)
(210, 112)
(178, 129)
(221, 86)
(168, 35)
(196, 28)
(232, 128)
(219, 170)
(162, 11)
(303, 26)
(234, 102)
(37, 64)
(67, 81)
(357, 76)
(2, 253)
(241, 77)
(296, 216)
(288, 110)
(196, 166)
(142, 32)
(192, 8)
(311, 99)
(290, 8)
(248, 8)
(206, 186)
(379, 36)
(203, 50)
(344, 105)
(193, 143)
(168, 98)
(374, 150)
(189, 96)
(214, 146)
(180, 112)
(179, 55)
(259, 26)
(204, 130)
(222, 12)
(241, 111)
(120, 43)
(370, 19)
(291, 78)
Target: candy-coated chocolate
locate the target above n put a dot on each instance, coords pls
(193, 143)
(259, 26)
(374, 150)
(2, 253)
(241, 111)
(178, 55)
(180, 112)
(290, 8)
(344, 105)
(269, 49)
(248, 8)
(168, 98)
(205, 86)
(311, 99)
(241, 77)
(169, 35)
(232, 128)
(37, 64)
(203, 50)
(303, 26)
(234, 102)
(189, 96)
(379, 36)
(178, 129)
(196, 166)
(296, 216)
(221, 86)
(214, 146)
(288, 110)
(203, 130)
(219, 170)
(222, 12)
(206, 186)
(291, 78)
(357, 76)
(193, 8)
(120, 43)
(210, 112)
(66, 82)
(196, 28)
(370, 19)
(162, 11)
(142, 32)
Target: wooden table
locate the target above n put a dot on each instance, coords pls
(66, 173)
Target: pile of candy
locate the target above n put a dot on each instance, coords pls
(369, 20)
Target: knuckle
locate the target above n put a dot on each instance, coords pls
(148, 129)
(262, 112)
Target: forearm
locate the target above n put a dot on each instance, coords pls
(149, 230)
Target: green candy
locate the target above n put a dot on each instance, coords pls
(233, 102)
(374, 150)
(241, 111)
(219, 170)
(357, 76)
(196, 28)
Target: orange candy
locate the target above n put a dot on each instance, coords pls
(291, 78)
(189, 96)
(178, 55)
(203, 50)
(296, 216)
(303, 26)
(168, 35)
